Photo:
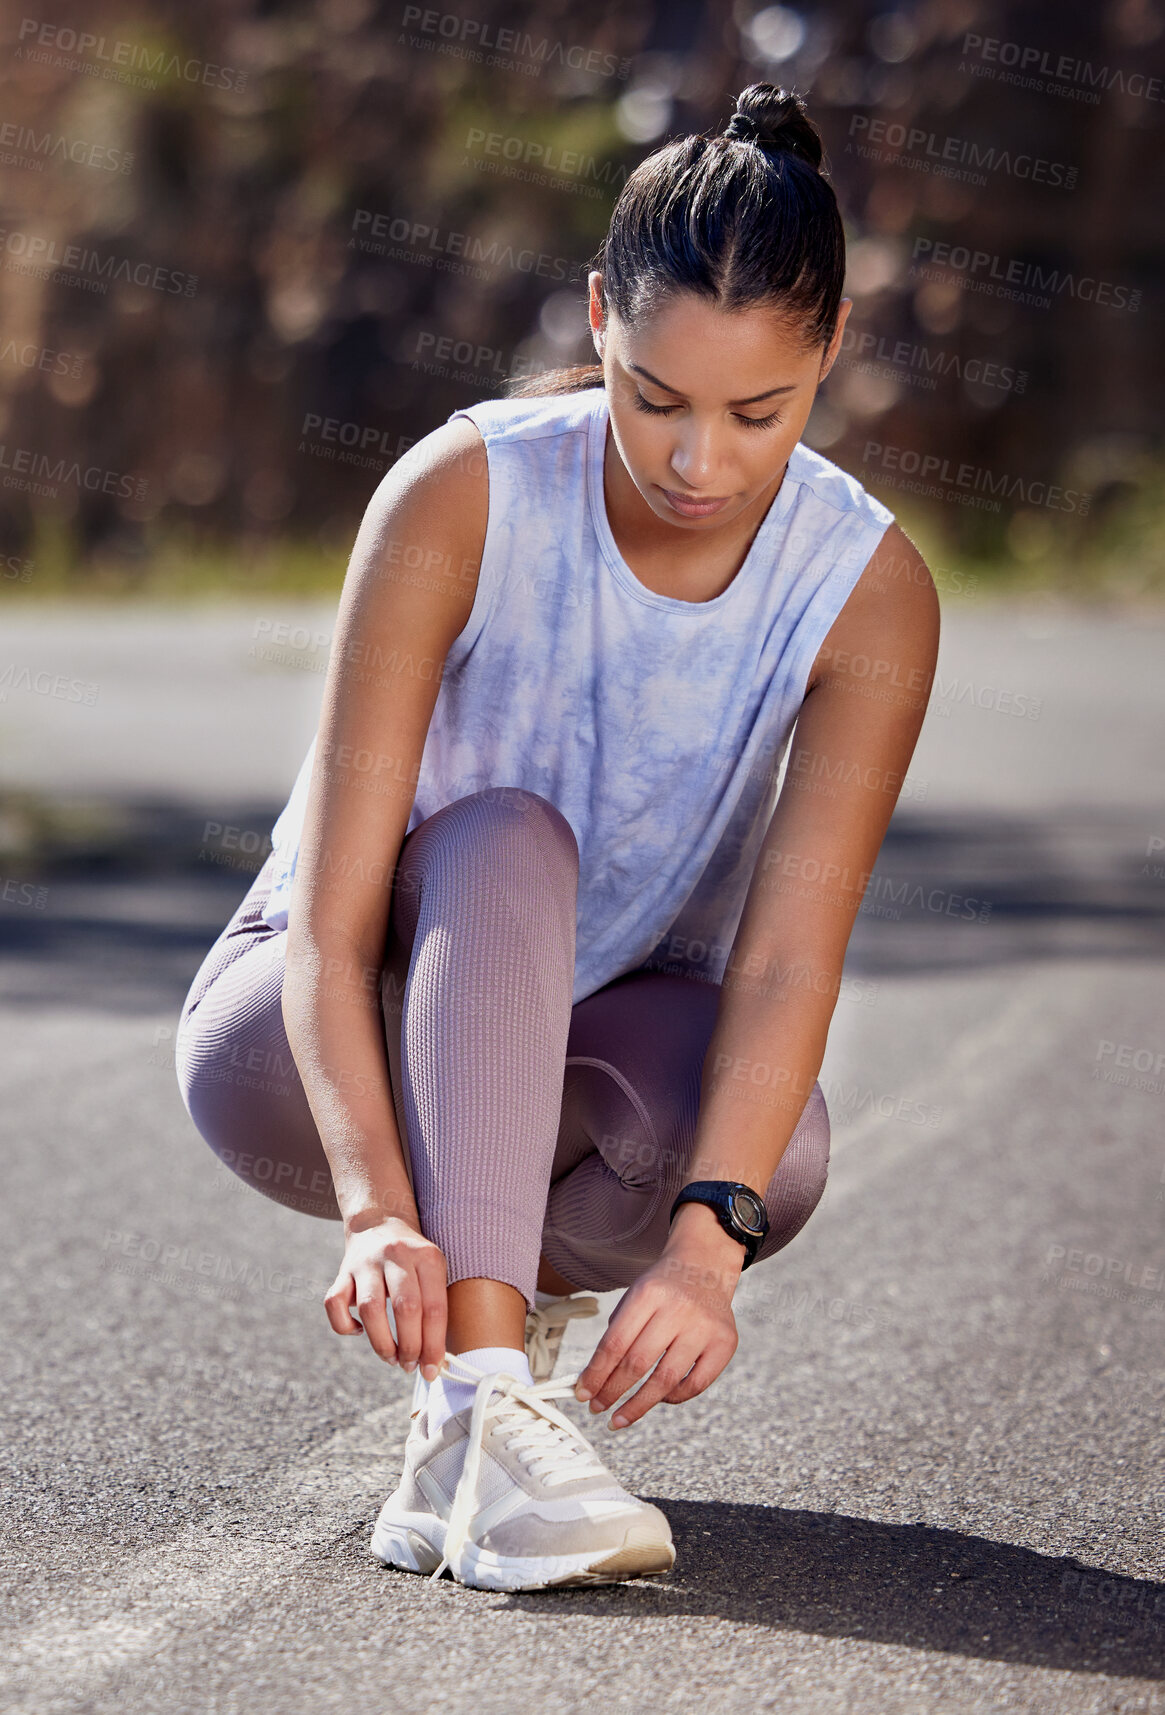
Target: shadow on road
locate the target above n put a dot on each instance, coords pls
(125, 919)
(964, 892)
(924, 1588)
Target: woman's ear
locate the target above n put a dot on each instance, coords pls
(843, 310)
(595, 311)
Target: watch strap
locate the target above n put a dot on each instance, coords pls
(717, 1195)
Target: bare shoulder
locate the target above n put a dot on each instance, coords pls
(423, 532)
(894, 607)
(447, 467)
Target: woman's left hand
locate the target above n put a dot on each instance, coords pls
(678, 1312)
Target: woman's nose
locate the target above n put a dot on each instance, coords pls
(694, 460)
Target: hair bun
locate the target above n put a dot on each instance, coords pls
(777, 120)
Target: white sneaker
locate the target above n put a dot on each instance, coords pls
(509, 1495)
(545, 1326)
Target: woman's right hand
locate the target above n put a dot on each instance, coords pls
(393, 1262)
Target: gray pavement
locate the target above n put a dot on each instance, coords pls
(929, 1481)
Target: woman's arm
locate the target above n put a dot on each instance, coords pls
(857, 727)
(394, 629)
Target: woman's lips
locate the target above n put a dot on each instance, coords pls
(694, 508)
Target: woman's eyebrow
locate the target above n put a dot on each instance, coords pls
(790, 387)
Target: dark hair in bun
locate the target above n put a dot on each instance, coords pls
(744, 217)
(775, 119)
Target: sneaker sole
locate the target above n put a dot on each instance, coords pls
(414, 1542)
(641, 1554)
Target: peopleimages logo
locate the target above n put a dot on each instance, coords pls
(501, 48)
(874, 354)
(1029, 67)
(41, 473)
(965, 482)
(545, 160)
(25, 354)
(46, 684)
(118, 59)
(21, 146)
(74, 264)
(457, 252)
(940, 152)
(1013, 278)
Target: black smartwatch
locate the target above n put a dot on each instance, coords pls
(740, 1211)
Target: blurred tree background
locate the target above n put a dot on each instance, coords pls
(251, 252)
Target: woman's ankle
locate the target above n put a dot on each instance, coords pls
(485, 1313)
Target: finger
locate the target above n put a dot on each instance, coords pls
(405, 1292)
(630, 1315)
(636, 1362)
(434, 1314)
(338, 1304)
(711, 1363)
(370, 1307)
(667, 1375)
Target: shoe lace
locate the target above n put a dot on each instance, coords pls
(546, 1320)
(546, 1442)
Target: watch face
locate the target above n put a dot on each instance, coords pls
(748, 1210)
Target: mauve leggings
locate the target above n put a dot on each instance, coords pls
(531, 1125)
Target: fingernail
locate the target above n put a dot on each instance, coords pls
(618, 1422)
(582, 1394)
(595, 1406)
(430, 1372)
(409, 1368)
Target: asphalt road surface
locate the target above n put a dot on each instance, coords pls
(931, 1478)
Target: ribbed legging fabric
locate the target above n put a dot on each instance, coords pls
(531, 1126)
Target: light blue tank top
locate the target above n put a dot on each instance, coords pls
(657, 726)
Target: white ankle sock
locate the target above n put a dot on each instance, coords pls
(542, 1299)
(448, 1394)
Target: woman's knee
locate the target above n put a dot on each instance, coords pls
(507, 821)
(528, 815)
(500, 848)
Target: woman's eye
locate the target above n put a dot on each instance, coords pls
(643, 404)
(653, 410)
